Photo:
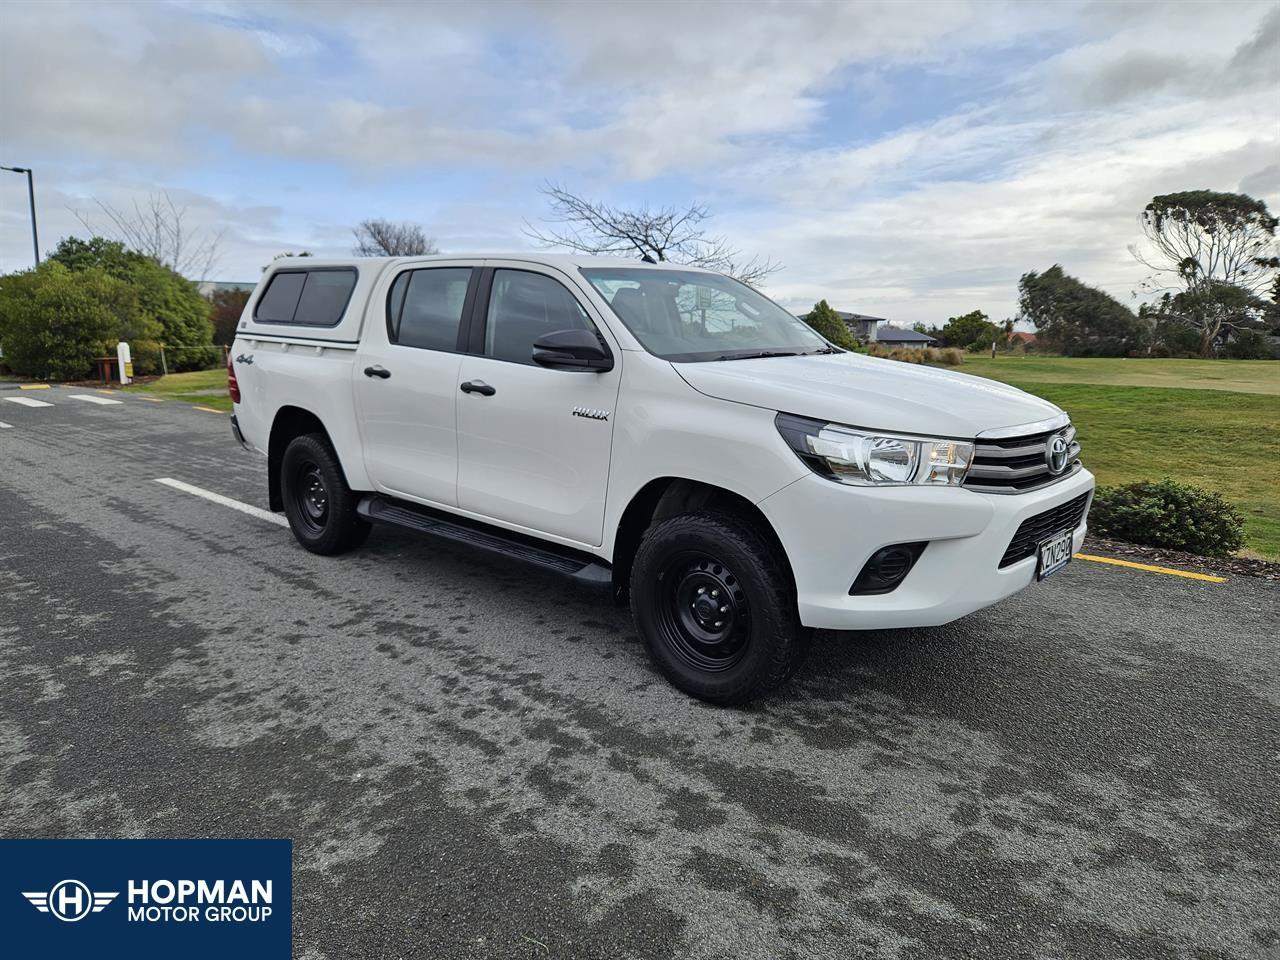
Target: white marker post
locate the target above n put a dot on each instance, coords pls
(125, 359)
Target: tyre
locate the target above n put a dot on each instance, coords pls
(711, 596)
(320, 506)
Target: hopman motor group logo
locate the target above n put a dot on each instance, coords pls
(145, 899)
(162, 901)
(70, 900)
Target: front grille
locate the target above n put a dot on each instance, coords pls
(1066, 516)
(1017, 464)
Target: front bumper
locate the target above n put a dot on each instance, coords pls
(830, 530)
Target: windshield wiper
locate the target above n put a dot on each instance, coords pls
(759, 354)
(827, 350)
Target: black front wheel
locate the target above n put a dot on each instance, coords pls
(712, 598)
(320, 506)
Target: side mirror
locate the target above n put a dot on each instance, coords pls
(572, 350)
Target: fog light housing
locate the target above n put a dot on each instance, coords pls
(887, 568)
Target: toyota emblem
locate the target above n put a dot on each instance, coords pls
(1056, 455)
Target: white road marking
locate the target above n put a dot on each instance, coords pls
(218, 498)
(5, 426)
(28, 401)
(89, 398)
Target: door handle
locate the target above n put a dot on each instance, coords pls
(478, 386)
(381, 372)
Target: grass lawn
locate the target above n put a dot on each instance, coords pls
(205, 388)
(1238, 376)
(1214, 423)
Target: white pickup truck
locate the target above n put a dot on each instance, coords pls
(661, 431)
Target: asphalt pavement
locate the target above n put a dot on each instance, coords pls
(476, 761)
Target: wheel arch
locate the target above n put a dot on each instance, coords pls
(665, 497)
(290, 422)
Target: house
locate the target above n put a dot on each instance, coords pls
(207, 288)
(892, 336)
(1022, 337)
(861, 327)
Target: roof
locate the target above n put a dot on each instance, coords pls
(565, 261)
(850, 317)
(898, 335)
(1023, 336)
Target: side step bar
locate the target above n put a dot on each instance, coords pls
(577, 566)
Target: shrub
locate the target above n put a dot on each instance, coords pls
(54, 321)
(168, 308)
(947, 357)
(1165, 513)
(1247, 345)
(146, 358)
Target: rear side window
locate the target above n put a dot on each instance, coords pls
(280, 299)
(424, 308)
(312, 298)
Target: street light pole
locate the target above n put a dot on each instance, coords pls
(31, 197)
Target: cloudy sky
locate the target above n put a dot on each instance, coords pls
(907, 160)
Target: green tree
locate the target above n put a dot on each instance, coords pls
(1208, 316)
(1217, 249)
(972, 330)
(228, 305)
(170, 311)
(1271, 316)
(1078, 320)
(827, 322)
(55, 321)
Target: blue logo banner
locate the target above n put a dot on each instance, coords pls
(147, 898)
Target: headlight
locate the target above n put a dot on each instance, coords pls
(860, 458)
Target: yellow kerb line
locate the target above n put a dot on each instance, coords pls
(206, 409)
(1150, 569)
(33, 386)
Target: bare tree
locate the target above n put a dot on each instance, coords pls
(656, 234)
(382, 238)
(158, 229)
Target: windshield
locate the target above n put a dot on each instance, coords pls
(686, 315)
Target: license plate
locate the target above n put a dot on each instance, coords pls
(1054, 553)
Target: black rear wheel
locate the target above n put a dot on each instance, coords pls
(320, 506)
(712, 598)
(310, 494)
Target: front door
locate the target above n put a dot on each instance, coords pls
(406, 382)
(533, 442)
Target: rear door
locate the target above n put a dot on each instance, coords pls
(533, 442)
(406, 379)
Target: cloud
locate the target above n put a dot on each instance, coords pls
(1024, 135)
(1258, 59)
(886, 229)
(123, 88)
